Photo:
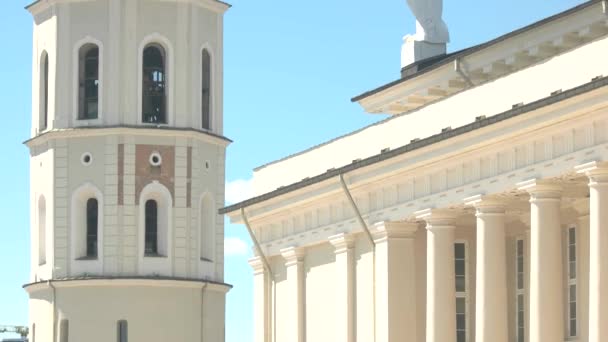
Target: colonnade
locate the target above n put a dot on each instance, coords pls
(395, 272)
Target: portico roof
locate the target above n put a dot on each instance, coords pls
(595, 84)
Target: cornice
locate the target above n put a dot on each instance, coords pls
(489, 61)
(590, 92)
(166, 282)
(88, 132)
(213, 5)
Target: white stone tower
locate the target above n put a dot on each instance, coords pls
(127, 171)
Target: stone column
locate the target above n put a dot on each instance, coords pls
(546, 268)
(294, 265)
(395, 281)
(345, 287)
(261, 301)
(598, 249)
(491, 309)
(440, 288)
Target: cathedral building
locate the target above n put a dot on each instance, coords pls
(477, 212)
(127, 171)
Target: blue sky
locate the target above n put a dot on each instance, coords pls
(290, 71)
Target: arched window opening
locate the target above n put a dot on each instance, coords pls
(154, 80)
(41, 231)
(92, 219)
(88, 90)
(151, 225)
(207, 230)
(44, 92)
(206, 90)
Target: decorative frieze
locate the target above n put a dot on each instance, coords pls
(442, 184)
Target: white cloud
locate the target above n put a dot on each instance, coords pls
(238, 190)
(235, 247)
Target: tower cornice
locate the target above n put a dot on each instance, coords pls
(173, 282)
(130, 130)
(213, 5)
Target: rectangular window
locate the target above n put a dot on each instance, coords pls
(64, 329)
(520, 291)
(572, 331)
(460, 273)
(122, 330)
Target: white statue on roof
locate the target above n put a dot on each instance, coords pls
(430, 27)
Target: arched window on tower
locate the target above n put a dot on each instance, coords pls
(44, 92)
(92, 219)
(88, 82)
(154, 78)
(206, 90)
(151, 226)
(41, 231)
(207, 231)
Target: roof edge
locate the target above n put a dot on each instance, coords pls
(412, 146)
(451, 57)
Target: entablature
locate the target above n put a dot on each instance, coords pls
(545, 143)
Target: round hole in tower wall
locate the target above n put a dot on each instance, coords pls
(86, 159)
(155, 159)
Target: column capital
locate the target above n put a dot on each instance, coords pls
(342, 242)
(293, 255)
(394, 230)
(541, 189)
(437, 218)
(486, 205)
(257, 264)
(597, 171)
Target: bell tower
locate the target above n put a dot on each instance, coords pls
(127, 171)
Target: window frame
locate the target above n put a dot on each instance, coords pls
(572, 280)
(43, 98)
(92, 254)
(77, 121)
(520, 291)
(160, 69)
(161, 264)
(154, 252)
(207, 48)
(122, 331)
(160, 40)
(79, 261)
(463, 294)
(64, 330)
